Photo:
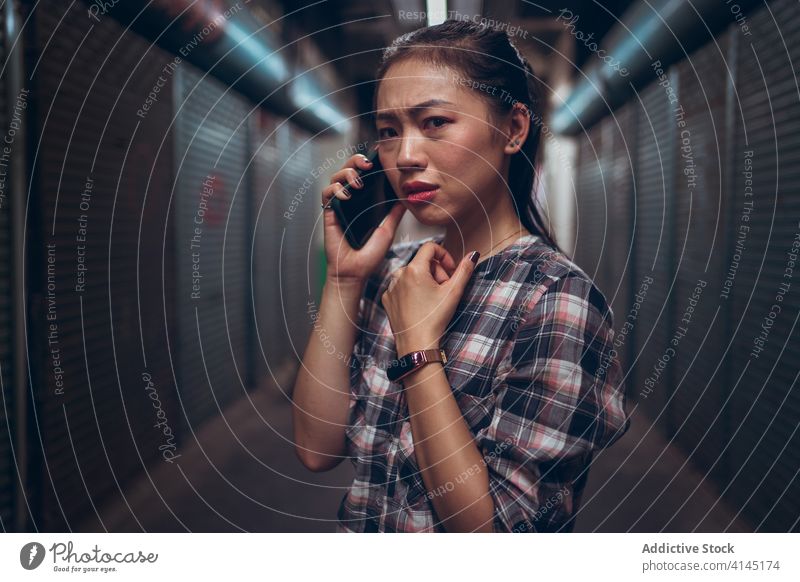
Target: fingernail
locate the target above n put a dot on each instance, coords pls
(474, 256)
(359, 181)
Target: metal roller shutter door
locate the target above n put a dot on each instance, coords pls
(603, 271)
(299, 253)
(699, 241)
(654, 203)
(7, 426)
(591, 199)
(210, 155)
(605, 215)
(765, 404)
(272, 339)
(620, 144)
(104, 413)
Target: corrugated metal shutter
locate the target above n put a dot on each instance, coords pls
(7, 482)
(699, 246)
(299, 253)
(592, 200)
(620, 145)
(765, 403)
(212, 211)
(605, 217)
(271, 215)
(738, 423)
(653, 173)
(93, 149)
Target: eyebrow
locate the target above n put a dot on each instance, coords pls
(385, 115)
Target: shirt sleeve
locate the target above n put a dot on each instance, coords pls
(560, 400)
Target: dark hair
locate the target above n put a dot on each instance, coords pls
(485, 54)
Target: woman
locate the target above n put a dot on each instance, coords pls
(500, 436)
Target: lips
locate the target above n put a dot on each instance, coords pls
(419, 191)
(423, 196)
(418, 186)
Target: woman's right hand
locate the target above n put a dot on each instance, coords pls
(345, 263)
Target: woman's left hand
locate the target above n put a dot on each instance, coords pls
(422, 297)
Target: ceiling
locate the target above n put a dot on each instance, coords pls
(352, 33)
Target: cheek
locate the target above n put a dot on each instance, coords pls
(465, 143)
(393, 176)
(458, 159)
(472, 152)
(471, 169)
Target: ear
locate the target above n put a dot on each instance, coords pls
(518, 128)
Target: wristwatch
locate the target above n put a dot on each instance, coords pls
(402, 367)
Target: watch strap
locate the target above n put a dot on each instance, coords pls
(403, 366)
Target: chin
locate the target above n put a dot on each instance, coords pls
(430, 215)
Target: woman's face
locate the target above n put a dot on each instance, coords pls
(448, 142)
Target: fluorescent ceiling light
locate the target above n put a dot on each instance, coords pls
(437, 11)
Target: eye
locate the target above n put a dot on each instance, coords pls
(435, 121)
(382, 135)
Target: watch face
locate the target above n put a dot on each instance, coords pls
(398, 368)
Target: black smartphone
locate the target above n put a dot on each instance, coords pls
(360, 215)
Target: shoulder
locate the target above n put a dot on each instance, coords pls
(567, 321)
(557, 285)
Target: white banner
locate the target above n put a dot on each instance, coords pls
(401, 558)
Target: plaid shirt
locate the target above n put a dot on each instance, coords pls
(529, 365)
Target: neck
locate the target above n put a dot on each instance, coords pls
(484, 229)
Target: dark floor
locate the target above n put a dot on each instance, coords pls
(242, 474)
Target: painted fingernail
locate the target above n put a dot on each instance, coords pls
(359, 182)
(474, 256)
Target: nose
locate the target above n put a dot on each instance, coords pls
(411, 154)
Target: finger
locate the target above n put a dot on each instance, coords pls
(348, 176)
(350, 170)
(385, 231)
(447, 262)
(430, 251)
(329, 221)
(438, 272)
(338, 191)
(360, 161)
(330, 192)
(462, 275)
(392, 220)
(394, 277)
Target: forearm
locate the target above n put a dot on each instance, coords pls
(322, 389)
(451, 464)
